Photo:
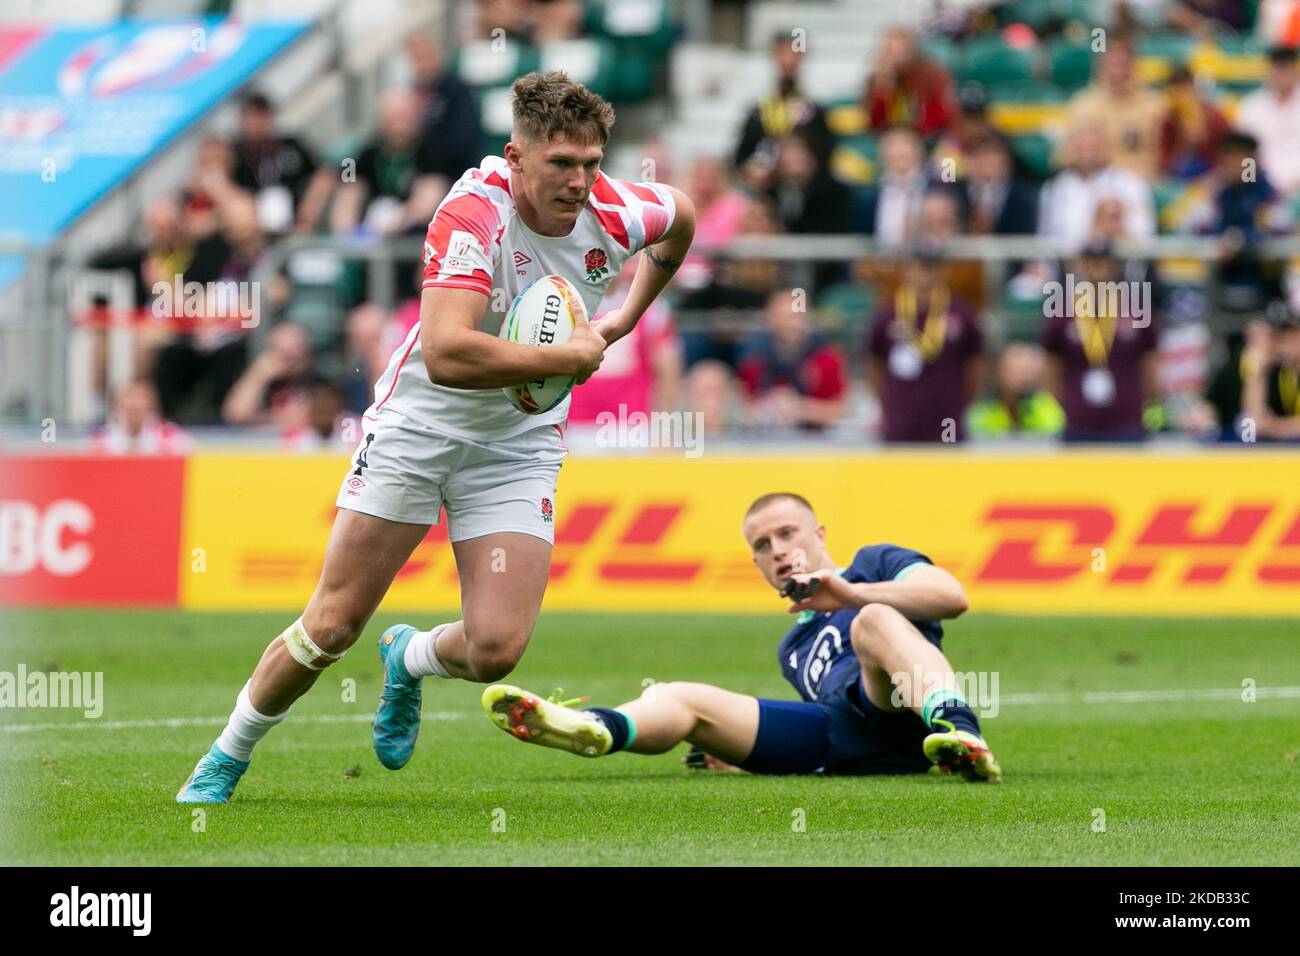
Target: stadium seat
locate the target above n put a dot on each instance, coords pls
(847, 305)
(1026, 106)
(483, 63)
(943, 51)
(989, 60)
(1033, 13)
(1043, 15)
(648, 23)
(1165, 192)
(845, 116)
(1021, 319)
(1035, 151)
(1083, 12)
(1027, 91)
(1070, 64)
(591, 62)
(634, 73)
(856, 158)
(640, 33)
(1166, 46)
(1239, 67)
(1242, 44)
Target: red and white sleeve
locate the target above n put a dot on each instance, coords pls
(462, 245)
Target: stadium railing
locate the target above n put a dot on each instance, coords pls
(38, 317)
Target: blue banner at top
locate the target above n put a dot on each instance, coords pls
(81, 109)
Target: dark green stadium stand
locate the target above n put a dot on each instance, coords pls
(988, 60)
(848, 306)
(857, 158)
(1043, 14)
(1027, 91)
(1021, 319)
(506, 64)
(943, 51)
(640, 32)
(591, 61)
(627, 43)
(1035, 151)
(1175, 47)
(1070, 64)
(1033, 13)
(1165, 192)
(1243, 44)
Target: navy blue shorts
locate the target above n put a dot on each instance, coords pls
(843, 733)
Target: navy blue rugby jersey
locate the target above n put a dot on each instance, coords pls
(816, 655)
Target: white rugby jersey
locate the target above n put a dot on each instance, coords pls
(477, 241)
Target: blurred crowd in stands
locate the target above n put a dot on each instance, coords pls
(899, 347)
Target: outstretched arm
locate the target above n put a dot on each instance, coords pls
(926, 592)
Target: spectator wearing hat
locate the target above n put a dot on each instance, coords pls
(1270, 373)
(924, 356)
(1101, 350)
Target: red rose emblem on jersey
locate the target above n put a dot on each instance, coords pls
(597, 264)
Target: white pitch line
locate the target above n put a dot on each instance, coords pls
(1004, 700)
(172, 722)
(1145, 696)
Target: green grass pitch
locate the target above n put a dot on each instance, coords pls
(1181, 778)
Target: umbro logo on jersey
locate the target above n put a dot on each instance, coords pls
(521, 260)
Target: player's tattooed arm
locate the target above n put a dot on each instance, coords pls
(666, 255)
(667, 263)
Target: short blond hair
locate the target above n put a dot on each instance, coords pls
(547, 104)
(772, 498)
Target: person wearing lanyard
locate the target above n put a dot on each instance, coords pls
(924, 356)
(1270, 393)
(1101, 350)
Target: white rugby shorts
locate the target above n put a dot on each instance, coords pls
(404, 474)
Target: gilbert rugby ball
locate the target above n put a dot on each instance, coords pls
(544, 314)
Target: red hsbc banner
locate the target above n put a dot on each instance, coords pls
(90, 530)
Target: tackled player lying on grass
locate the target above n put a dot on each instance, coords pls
(879, 696)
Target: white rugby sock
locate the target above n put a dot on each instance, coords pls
(421, 658)
(246, 727)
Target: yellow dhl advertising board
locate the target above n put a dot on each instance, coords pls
(1078, 532)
